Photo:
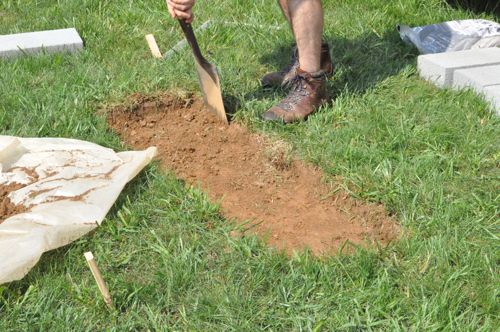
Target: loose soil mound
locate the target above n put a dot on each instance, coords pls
(256, 180)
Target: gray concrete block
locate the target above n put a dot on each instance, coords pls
(477, 77)
(492, 94)
(35, 42)
(440, 68)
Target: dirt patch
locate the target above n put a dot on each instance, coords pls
(257, 180)
(7, 208)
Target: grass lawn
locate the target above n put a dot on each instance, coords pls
(431, 156)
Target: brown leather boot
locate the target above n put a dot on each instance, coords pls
(308, 92)
(283, 77)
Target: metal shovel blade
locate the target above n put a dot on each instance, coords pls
(210, 87)
(207, 75)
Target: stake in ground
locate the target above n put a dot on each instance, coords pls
(430, 156)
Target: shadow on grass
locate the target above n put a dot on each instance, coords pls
(231, 105)
(359, 63)
(478, 7)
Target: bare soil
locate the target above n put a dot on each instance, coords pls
(257, 181)
(7, 208)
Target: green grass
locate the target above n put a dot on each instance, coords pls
(431, 156)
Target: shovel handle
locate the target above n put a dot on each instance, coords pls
(191, 38)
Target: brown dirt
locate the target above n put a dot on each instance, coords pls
(7, 208)
(255, 179)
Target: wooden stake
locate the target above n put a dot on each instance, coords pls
(98, 279)
(153, 46)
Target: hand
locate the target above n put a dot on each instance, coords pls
(181, 9)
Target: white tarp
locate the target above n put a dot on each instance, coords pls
(452, 36)
(70, 187)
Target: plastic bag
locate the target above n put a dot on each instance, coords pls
(63, 189)
(452, 36)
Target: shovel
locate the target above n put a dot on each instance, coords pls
(207, 75)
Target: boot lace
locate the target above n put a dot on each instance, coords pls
(298, 90)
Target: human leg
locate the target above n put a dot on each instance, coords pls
(308, 85)
(284, 9)
(307, 24)
(283, 77)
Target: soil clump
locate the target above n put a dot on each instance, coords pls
(256, 180)
(7, 208)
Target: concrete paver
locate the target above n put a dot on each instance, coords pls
(492, 94)
(477, 69)
(35, 42)
(477, 77)
(440, 68)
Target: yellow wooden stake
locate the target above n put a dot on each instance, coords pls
(153, 46)
(98, 278)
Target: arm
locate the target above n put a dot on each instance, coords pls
(181, 9)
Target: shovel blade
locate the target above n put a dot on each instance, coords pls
(211, 90)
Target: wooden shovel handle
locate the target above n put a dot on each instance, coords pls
(191, 38)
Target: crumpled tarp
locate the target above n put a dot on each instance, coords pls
(70, 187)
(452, 36)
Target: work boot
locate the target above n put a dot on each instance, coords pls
(308, 92)
(283, 77)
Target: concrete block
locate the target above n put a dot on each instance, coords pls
(477, 77)
(492, 94)
(440, 68)
(35, 42)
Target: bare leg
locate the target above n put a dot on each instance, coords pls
(284, 8)
(309, 83)
(307, 22)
